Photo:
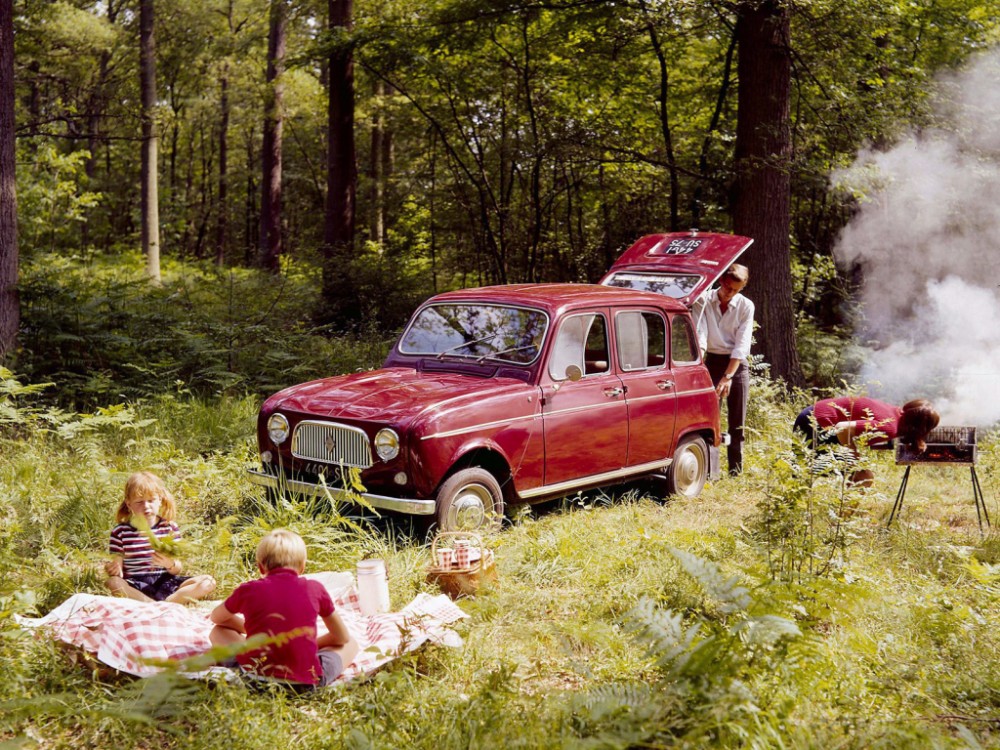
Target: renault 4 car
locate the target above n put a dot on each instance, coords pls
(513, 394)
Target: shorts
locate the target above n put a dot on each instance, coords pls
(333, 667)
(330, 661)
(157, 586)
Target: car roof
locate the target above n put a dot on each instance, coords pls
(554, 298)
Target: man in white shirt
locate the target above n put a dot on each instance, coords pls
(725, 327)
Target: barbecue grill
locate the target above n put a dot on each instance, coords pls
(946, 446)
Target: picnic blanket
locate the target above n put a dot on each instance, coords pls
(127, 635)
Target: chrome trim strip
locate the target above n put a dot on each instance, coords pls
(563, 487)
(697, 392)
(612, 401)
(399, 504)
(482, 426)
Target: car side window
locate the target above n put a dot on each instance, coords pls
(642, 340)
(683, 341)
(582, 341)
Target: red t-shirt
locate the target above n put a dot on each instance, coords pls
(876, 416)
(278, 603)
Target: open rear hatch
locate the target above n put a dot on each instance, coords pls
(681, 265)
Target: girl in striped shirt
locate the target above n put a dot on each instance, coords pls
(137, 570)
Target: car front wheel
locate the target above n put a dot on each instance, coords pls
(470, 500)
(687, 473)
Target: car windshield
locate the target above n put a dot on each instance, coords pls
(476, 331)
(674, 285)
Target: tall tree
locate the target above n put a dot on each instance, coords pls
(271, 244)
(378, 162)
(150, 193)
(341, 169)
(9, 307)
(762, 192)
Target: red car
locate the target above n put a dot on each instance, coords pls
(512, 394)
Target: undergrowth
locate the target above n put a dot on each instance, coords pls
(776, 610)
(97, 327)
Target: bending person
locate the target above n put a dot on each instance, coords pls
(843, 420)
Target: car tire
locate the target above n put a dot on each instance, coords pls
(688, 472)
(470, 500)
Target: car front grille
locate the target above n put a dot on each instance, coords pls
(332, 443)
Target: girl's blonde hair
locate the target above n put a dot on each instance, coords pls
(281, 549)
(145, 484)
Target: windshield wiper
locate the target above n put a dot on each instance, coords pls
(464, 344)
(496, 355)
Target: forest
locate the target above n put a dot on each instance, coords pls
(205, 201)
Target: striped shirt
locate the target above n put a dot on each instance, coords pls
(134, 547)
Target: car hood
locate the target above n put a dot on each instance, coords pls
(388, 395)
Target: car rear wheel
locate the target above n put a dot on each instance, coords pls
(470, 500)
(687, 473)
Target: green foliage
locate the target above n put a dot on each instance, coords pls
(617, 621)
(53, 201)
(809, 513)
(103, 332)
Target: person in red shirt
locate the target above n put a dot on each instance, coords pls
(282, 606)
(843, 420)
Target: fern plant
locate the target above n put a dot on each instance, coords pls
(705, 663)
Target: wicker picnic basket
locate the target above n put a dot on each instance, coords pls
(466, 580)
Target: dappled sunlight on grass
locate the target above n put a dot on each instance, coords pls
(897, 634)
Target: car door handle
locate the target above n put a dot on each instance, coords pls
(664, 384)
(613, 392)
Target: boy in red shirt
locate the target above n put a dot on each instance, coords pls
(282, 603)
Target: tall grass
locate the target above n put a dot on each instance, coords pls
(618, 621)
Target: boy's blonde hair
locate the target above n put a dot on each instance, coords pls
(281, 549)
(146, 484)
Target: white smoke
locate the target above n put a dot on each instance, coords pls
(928, 240)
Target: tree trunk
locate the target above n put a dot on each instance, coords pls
(662, 106)
(376, 162)
(222, 217)
(9, 307)
(762, 194)
(150, 198)
(341, 176)
(270, 205)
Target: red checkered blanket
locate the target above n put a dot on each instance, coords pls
(130, 636)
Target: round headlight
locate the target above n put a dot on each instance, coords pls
(387, 444)
(277, 428)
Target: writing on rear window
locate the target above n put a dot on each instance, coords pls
(684, 246)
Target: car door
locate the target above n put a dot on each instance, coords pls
(650, 393)
(693, 388)
(585, 417)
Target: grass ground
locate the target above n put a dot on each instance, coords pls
(776, 610)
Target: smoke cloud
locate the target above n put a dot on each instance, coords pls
(928, 240)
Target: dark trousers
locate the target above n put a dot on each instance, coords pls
(736, 405)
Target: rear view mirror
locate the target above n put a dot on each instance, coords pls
(573, 372)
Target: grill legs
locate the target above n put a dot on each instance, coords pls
(977, 494)
(898, 505)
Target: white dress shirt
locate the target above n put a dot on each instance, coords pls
(728, 333)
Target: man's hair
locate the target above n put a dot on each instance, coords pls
(737, 272)
(281, 549)
(916, 421)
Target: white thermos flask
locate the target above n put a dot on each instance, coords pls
(373, 587)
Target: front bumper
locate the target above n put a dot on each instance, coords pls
(411, 506)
